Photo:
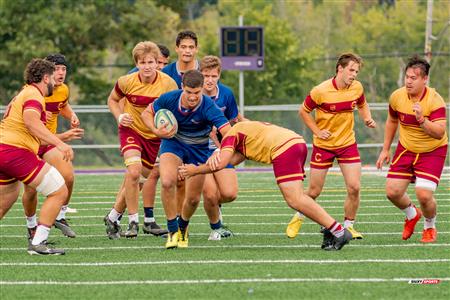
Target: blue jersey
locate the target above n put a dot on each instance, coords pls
(172, 71)
(226, 102)
(194, 125)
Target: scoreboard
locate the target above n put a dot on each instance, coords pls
(242, 48)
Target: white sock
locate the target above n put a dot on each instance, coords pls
(133, 217)
(31, 221)
(149, 220)
(429, 223)
(41, 234)
(114, 215)
(348, 223)
(300, 215)
(410, 212)
(62, 213)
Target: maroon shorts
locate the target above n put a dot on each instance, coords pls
(409, 165)
(289, 165)
(323, 158)
(44, 149)
(131, 140)
(18, 164)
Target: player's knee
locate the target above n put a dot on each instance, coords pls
(228, 196)
(193, 201)
(134, 173)
(393, 192)
(51, 183)
(353, 189)
(314, 192)
(168, 183)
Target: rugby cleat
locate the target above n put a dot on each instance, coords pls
(30, 233)
(429, 235)
(220, 233)
(113, 229)
(44, 249)
(172, 240)
(340, 242)
(183, 238)
(132, 231)
(65, 228)
(355, 234)
(294, 226)
(408, 228)
(153, 228)
(327, 238)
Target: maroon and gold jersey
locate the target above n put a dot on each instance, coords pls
(139, 95)
(259, 141)
(334, 112)
(411, 135)
(55, 103)
(12, 128)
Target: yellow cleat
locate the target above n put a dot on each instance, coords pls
(183, 238)
(294, 226)
(355, 234)
(172, 240)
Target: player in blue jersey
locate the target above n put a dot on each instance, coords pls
(196, 114)
(222, 186)
(186, 48)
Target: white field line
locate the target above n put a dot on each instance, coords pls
(261, 246)
(233, 223)
(218, 281)
(231, 261)
(245, 215)
(237, 234)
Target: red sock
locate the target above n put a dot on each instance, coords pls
(336, 229)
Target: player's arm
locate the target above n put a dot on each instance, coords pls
(389, 134)
(33, 123)
(435, 129)
(123, 119)
(366, 116)
(312, 125)
(192, 170)
(71, 134)
(148, 117)
(68, 113)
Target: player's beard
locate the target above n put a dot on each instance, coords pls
(50, 88)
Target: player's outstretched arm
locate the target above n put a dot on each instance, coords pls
(389, 133)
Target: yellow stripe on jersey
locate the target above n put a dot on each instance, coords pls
(411, 135)
(139, 95)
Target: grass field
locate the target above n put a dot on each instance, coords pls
(259, 262)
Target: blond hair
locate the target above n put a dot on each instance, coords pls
(210, 62)
(144, 48)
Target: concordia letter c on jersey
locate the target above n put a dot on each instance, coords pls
(130, 140)
(318, 157)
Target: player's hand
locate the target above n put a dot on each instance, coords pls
(187, 170)
(324, 134)
(125, 119)
(214, 160)
(48, 116)
(73, 134)
(417, 109)
(74, 121)
(384, 157)
(66, 151)
(370, 123)
(163, 133)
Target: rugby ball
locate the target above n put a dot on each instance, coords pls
(164, 116)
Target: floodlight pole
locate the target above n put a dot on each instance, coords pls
(428, 30)
(241, 78)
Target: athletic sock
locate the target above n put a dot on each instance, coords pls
(216, 225)
(148, 215)
(114, 215)
(172, 225)
(410, 211)
(41, 234)
(336, 229)
(300, 215)
(429, 223)
(348, 222)
(133, 218)
(182, 224)
(31, 221)
(62, 213)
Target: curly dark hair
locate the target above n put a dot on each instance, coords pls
(187, 34)
(164, 50)
(57, 59)
(36, 69)
(417, 62)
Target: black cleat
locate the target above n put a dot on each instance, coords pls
(65, 228)
(340, 242)
(44, 249)
(154, 228)
(113, 229)
(132, 231)
(327, 238)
